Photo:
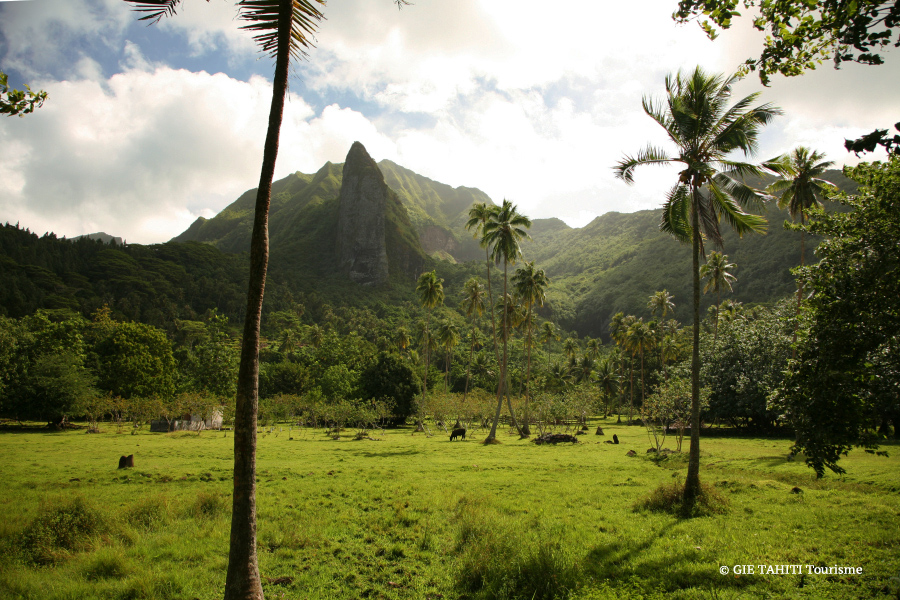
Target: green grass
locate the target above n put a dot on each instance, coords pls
(409, 516)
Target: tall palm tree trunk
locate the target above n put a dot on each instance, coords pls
(799, 293)
(631, 390)
(692, 481)
(419, 422)
(526, 430)
(242, 577)
(469, 366)
(718, 305)
(502, 385)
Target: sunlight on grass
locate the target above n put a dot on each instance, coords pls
(412, 516)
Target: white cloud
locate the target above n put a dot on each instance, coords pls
(128, 155)
(533, 105)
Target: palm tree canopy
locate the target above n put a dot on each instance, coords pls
(479, 214)
(548, 333)
(716, 272)
(261, 17)
(473, 297)
(639, 336)
(800, 187)
(503, 231)
(696, 117)
(530, 284)
(661, 301)
(448, 334)
(430, 289)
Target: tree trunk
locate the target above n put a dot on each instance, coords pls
(716, 328)
(242, 580)
(427, 364)
(503, 385)
(526, 430)
(469, 366)
(692, 481)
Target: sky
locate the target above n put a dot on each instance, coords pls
(147, 128)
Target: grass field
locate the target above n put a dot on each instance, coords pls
(410, 516)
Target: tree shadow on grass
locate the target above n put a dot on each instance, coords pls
(629, 561)
(376, 454)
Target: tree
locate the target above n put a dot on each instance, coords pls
(846, 379)
(390, 377)
(18, 102)
(802, 34)
(283, 30)
(608, 380)
(716, 272)
(136, 360)
(747, 365)
(431, 293)
(661, 302)
(448, 336)
(531, 286)
(473, 305)
(480, 215)
(639, 337)
(548, 334)
(502, 234)
(706, 131)
(799, 191)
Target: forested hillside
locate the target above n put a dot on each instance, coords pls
(151, 284)
(608, 266)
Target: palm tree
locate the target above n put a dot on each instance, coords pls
(473, 304)
(661, 302)
(431, 293)
(570, 347)
(639, 337)
(480, 215)
(401, 338)
(608, 379)
(502, 234)
(696, 117)
(531, 286)
(592, 348)
(548, 334)
(716, 272)
(799, 191)
(283, 30)
(448, 336)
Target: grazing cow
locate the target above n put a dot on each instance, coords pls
(458, 433)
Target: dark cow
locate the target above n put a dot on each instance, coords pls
(458, 433)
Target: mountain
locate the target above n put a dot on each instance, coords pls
(330, 232)
(613, 264)
(103, 237)
(359, 233)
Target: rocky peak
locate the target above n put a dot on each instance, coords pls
(361, 219)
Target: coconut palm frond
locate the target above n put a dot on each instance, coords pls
(648, 156)
(676, 216)
(262, 18)
(155, 9)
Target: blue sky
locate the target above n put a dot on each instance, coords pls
(147, 128)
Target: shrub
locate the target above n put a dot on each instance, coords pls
(149, 513)
(208, 506)
(670, 499)
(61, 529)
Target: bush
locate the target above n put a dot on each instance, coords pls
(670, 499)
(61, 529)
(208, 506)
(149, 513)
